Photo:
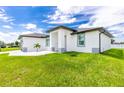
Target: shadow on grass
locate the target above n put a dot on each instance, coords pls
(116, 53)
(72, 54)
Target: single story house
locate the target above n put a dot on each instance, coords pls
(62, 38)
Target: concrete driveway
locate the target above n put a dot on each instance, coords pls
(20, 53)
(4, 52)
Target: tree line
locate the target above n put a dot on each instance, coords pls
(9, 45)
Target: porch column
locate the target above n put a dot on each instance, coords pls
(51, 46)
(61, 41)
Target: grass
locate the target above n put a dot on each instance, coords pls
(66, 69)
(9, 49)
(117, 53)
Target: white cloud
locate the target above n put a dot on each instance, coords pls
(106, 16)
(32, 28)
(4, 17)
(66, 20)
(70, 10)
(116, 30)
(100, 17)
(29, 32)
(7, 26)
(29, 26)
(26, 32)
(64, 14)
(9, 36)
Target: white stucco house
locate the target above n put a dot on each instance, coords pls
(62, 38)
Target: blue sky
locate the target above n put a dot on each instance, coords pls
(21, 20)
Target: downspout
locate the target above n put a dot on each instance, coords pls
(100, 41)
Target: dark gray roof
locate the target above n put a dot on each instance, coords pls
(36, 35)
(101, 29)
(85, 29)
(81, 30)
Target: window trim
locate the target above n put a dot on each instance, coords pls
(78, 40)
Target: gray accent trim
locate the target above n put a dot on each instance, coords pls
(53, 49)
(95, 50)
(61, 50)
(25, 49)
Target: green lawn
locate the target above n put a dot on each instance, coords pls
(67, 69)
(9, 49)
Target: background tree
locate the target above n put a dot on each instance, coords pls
(17, 43)
(37, 46)
(2, 45)
(11, 44)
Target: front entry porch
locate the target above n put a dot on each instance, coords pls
(58, 41)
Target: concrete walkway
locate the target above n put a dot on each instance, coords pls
(20, 53)
(5, 52)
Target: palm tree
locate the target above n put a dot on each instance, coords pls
(37, 46)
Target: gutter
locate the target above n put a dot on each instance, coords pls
(100, 41)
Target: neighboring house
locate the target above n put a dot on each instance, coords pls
(61, 39)
(117, 44)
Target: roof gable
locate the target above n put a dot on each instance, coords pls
(58, 27)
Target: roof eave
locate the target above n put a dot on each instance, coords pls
(33, 36)
(73, 30)
(108, 34)
(86, 31)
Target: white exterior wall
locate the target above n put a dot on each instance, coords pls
(28, 42)
(91, 41)
(105, 42)
(61, 42)
(54, 40)
(57, 38)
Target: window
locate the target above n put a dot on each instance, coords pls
(47, 42)
(80, 40)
